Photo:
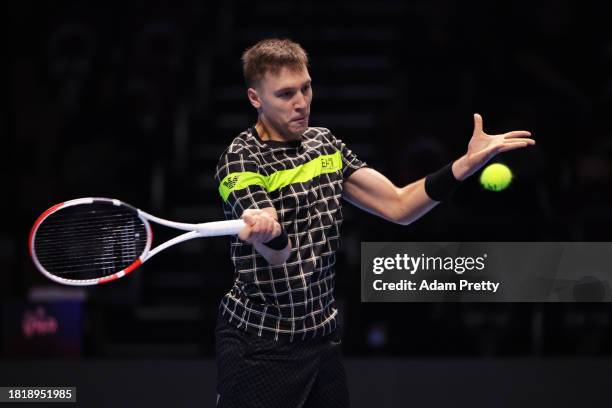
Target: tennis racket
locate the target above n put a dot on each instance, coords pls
(89, 241)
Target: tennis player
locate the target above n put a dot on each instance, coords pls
(277, 338)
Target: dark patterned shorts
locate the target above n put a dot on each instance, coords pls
(253, 371)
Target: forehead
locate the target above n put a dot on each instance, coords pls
(284, 78)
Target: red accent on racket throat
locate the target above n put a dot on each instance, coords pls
(127, 270)
(133, 266)
(110, 278)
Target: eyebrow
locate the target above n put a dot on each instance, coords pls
(290, 88)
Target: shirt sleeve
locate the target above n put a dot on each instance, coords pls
(241, 184)
(350, 161)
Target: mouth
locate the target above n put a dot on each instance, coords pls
(301, 119)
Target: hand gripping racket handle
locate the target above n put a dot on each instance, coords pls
(216, 228)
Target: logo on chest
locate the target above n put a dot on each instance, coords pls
(231, 182)
(327, 163)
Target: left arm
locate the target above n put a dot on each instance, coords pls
(373, 192)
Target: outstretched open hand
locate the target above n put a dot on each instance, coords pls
(483, 147)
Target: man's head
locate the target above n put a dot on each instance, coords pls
(276, 74)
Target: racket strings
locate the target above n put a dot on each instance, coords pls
(67, 219)
(84, 233)
(82, 243)
(90, 241)
(89, 266)
(52, 258)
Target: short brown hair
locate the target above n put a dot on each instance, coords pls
(270, 56)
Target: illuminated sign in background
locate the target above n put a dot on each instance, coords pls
(42, 329)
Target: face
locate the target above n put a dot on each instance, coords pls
(283, 101)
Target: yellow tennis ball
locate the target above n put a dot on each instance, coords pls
(496, 177)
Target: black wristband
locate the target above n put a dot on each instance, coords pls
(441, 185)
(279, 242)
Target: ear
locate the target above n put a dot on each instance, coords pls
(254, 98)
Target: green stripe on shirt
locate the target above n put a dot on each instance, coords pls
(328, 163)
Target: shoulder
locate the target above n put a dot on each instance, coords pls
(245, 144)
(317, 132)
(319, 135)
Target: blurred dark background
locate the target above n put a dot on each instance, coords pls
(136, 100)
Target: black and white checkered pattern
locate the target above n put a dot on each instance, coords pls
(294, 300)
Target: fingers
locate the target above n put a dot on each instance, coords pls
(516, 133)
(249, 219)
(245, 233)
(261, 226)
(477, 123)
(520, 139)
(506, 147)
(249, 216)
(264, 231)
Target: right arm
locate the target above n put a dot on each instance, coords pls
(242, 188)
(261, 227)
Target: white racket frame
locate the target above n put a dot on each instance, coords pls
(206, 229)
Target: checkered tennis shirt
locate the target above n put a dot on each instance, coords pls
(302, 180)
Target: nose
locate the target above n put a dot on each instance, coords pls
(301, 101)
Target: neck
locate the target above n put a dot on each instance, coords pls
(267, 132)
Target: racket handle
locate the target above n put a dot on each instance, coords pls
(213, 229)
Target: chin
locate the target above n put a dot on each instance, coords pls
(298, 130)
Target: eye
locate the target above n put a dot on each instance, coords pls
(306, 88)
(286, 94)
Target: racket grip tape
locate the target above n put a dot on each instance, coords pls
(217, 228)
